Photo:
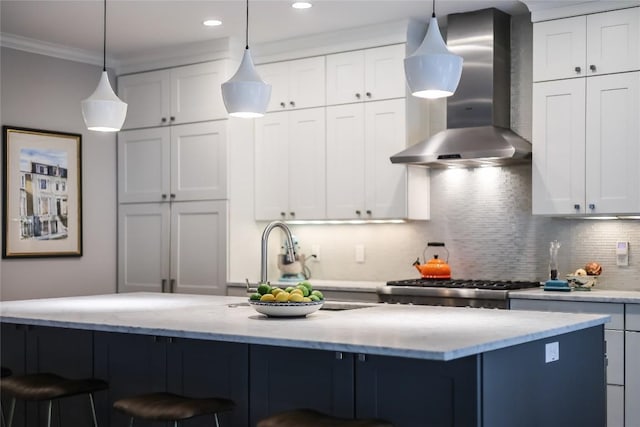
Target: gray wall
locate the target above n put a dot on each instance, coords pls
(42, 92)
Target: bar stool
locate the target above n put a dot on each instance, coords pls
(312, 418)
(171, 407)
(48, 386)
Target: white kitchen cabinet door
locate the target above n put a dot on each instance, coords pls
(615, 356)
(613, 41)
(384, 73)
(346, 162)
(144, 165)
(615, 406)
(307, 164)
(632, 379)
(271, 166)
(386, 183)
(196, 94)
(366, 75)
(559, 49)
(199, 247)
(558, 142)
(612, 148)
(295, 84)
(143, 247)
(148, 98)
(199, 161)
(290, 165)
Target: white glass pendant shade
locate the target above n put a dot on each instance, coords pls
(246, 94)
(433, 71)
(103, 111)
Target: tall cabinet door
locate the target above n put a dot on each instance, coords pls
(199, 247)
(199, 161)
(143, 165)
(143, 247)
(613, 41)
(558, 147)
(346, 161)
(307, 164)
(271, 166)
(147, 96)
(612, 143)
(385, 135)
(384, 72)
(196, 94)
(345, 74)
(307, 82)
(559, 49)
(277, 75)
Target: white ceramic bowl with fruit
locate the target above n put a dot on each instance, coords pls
(293, 301)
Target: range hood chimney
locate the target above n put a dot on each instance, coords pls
(478, 114)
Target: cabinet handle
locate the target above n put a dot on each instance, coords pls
(339, 355)
(163, 120)
(282, 104)
(576, 207)
(357, 95)
(592, 206)
(163, 283)
(368, 211)
(578, 70)
(293, 104)
(592, 67)
(172, 285)
(362, 357)
(368, 94)
(358, 212)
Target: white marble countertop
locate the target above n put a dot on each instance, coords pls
(424, 332)
(594, 295)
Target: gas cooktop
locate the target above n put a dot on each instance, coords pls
(508, 285)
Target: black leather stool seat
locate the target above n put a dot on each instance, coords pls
(48, 386)
(171, 407)
(312, 418)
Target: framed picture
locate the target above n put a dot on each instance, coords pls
(42, 193)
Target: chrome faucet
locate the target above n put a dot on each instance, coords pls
(290, 256)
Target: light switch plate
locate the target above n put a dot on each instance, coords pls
(551, 352)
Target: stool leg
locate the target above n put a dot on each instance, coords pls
(215, 417)
(131, 422)
(11, 411)
(175, 424)
(93, 410)
(59, 413)
(49, 413)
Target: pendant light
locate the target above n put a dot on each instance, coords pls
(433, 71)
(246, 94)
(103, 111)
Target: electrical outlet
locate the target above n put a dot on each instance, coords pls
(360, 254)
(551, 352)
(315, 252)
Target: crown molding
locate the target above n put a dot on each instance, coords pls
(544, 10)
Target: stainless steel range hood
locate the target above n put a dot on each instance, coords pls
(478, 114)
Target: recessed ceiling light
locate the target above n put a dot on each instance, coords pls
(211, 23)
(301, 5)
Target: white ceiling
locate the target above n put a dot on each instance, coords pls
(141, 25)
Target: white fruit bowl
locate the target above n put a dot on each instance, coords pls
(286, 309)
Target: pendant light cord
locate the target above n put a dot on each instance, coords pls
(433, 14)
(246, 28)
(104, 37)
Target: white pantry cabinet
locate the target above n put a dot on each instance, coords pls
(176, 163)
(173, 247)
(366, 75)
(600, 43)
(295, 84)
(362, 183)
(186, 94)
(290, 165)
(585, 145)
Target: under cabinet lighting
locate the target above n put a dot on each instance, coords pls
(212, 23)
(301, 5)
(345, 221)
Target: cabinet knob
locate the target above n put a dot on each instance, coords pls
(578, 70)
(173, 196)
(339, 355)
(164, 196)
(172, 118)
(357, 95)
(592, 67)
(163, 284)
(592, 206)
(368, 94)
(358, 212)
(282, 214)
(368, 211)
(282, 104)
(292, 213)
(362, 357)
(576, 207)
(163, 120)
(293, 104)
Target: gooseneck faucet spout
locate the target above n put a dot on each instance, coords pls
(291, 257)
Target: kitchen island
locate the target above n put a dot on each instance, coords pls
(415, 365)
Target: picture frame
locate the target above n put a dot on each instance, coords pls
(42, 193)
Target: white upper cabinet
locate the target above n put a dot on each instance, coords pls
(177, 163)
(290, 165)
(600, 43)
(585, 145)
(184, 94)
(366, 75)
(295, 84)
